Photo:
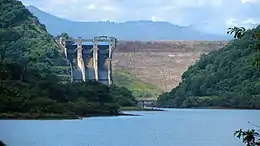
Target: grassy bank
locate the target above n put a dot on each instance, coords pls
(138, 88)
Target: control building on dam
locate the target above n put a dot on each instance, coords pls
(90, 59)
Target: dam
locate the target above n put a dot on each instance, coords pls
(89, 59)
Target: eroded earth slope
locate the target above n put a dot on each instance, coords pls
(160, 63)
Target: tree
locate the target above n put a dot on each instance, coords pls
(239, 32)
(257, 62)
(65, 36)
(256, 46)
(249, 137)
(2, 143)
(256, 35)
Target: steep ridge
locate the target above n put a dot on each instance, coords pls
(223, 78)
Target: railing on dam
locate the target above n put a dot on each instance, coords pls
(90, 59)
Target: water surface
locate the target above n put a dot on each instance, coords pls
(175, 127)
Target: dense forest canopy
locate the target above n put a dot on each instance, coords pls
(228, 77)
(30, 61)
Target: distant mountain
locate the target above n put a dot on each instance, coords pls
(130, 30)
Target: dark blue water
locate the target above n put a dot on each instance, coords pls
(186, 127)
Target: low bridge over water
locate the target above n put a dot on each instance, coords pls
(146, 102)
(90, 59)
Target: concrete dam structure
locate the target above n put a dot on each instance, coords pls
(90, 59)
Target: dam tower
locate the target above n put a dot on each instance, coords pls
(90, 59)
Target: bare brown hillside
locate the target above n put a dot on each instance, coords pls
(161, 63)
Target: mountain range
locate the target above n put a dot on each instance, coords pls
(129, 30)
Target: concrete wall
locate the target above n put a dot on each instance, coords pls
(80, 62)
(88, 61)
(72, 56)
(103, 61)
(91, 62)
(95, 59)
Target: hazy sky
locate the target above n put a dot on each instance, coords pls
(210, 15)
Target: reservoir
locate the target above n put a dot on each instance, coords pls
(173, 127)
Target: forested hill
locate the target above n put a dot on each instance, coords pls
(29, 63)
(223, 78)
(24, 38)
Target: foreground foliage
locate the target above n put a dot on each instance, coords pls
(238, 31)
(249, 137)
(29, 85)
(228, 77)
(2, 143)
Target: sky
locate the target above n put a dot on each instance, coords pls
(213, 16)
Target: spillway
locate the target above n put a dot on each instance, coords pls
(87, 56)
(103, 63)
(72, 57)
(90, 59)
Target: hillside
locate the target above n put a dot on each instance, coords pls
(139, 88)
(36, 45)
(30, 62)
(223, 78)
(160, 63)
(130, 30)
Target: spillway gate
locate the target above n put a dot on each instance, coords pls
(90, 59)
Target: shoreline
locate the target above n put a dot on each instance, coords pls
(33, 116)
(225, 108)
(211, 107)
(136, 108)
(52, 116)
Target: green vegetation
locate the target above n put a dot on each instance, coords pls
(140, 89)
(66, 37)
(249, 137)
(223, 78)
(30, 63)
(238, 32)
(2, 143)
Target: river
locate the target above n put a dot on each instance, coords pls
(173, 127)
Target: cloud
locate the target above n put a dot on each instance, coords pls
(249, 1)
(153, 18)
(213, 16)
(109, 8)
(247, 23)
(91, 6)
